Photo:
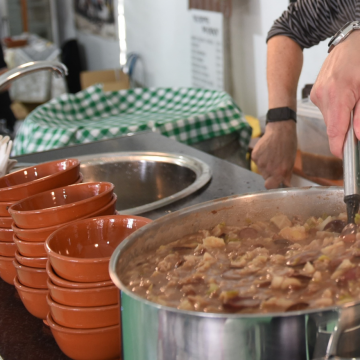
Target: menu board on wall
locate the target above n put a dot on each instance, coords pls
(207, 49)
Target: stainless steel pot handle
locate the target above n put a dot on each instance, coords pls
(348, 321)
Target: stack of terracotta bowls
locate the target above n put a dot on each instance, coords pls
(84, 304)
(35, 218)
(20, 185)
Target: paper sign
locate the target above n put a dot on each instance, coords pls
(207, 49)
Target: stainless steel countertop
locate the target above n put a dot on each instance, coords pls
(228, 179)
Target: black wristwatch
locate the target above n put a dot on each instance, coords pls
(280, 114)
(343, 33)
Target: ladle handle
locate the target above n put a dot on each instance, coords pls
(351, 161)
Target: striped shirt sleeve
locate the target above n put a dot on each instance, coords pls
(310, 21)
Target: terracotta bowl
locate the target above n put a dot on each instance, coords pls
(84, 317)
(33, 299)
(30, 248)
(80, 179)
(6, 234)
(7, 269)
(102, 296)
(42, 234)
(61, 205)
(36, 179)
(6, 221)
(7, 248)
(91, 344)
(31, 277)
(4, 207)
(81, 251)
(58, 281)
(35, 262)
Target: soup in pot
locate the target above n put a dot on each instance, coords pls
(280, 265)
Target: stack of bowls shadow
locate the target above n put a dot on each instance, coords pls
(84, 304)
(20, 185)
(35, 218)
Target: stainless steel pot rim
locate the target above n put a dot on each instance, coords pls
(316, 190)
(199, 167)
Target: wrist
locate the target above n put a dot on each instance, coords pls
(285, 126)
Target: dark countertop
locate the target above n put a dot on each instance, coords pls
(24, 337)
(227, 179)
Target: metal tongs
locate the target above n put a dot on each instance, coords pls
(351, 187)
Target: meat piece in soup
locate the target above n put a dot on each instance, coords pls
(280, 265)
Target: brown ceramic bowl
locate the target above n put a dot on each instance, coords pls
(81, 251)
(58, 281)
(33, 299)
(61, 205)
(36, 179)
(7, 249)
(42, 234)
(102, 296)
(6, 234)
(30, 248)
(7, 269)
(80, 179)
(84, 317)
(91, 344)
(6, 221)
(31, 277)
(35, 262)
(4, 207)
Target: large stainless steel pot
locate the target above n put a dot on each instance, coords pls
(152, 331)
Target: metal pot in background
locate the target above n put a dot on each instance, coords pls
(225, 147)
(152, 331)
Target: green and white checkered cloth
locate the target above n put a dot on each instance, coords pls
(187, 115)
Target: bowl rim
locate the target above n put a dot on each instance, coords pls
(6, 258)
(3, 203)
(64, 329)
(76, 285)
(20, 267)
(16, 229)
(7, 229)
(49, 210)
(36, 181)
(71, 259)
(50, 284)
(35, 243)
(21, 287)
(17, 254)
(7, 243)
(80, 309)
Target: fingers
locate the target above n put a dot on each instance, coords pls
(357, 120)
(273, 182)
(338, 122)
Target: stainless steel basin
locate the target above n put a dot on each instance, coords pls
(145, 181)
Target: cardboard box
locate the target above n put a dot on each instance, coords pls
(112, 80)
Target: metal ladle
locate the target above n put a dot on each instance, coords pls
(351, 187)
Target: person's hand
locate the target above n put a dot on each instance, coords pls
(275, 153)
(336, 91)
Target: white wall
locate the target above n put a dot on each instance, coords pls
(159, 31)
(250, 22)
(100, 53)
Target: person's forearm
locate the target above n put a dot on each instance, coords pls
(284, 63)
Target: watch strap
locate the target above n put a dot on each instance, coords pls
(343, 33)
(280, 114)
